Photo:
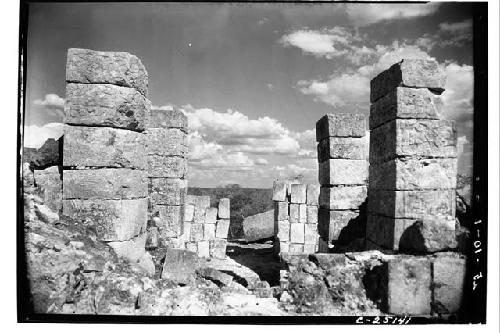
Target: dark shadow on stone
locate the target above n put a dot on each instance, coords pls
(375, 284)
(352, 236)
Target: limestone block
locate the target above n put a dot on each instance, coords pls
(343, 172)
(224, 208)
(280, 210)
(428, 236)
(310, 248)
(413, 73)
(174, 118)
(103, 147)
(259, 226)
(312, 194)
(105, 105)
(199, 214)
(405, 103)
(211, 215)
(197, 232)
(298, 193)
(311, 234)
(312, 214)
(279, 191)
(342, 197)
(152, 239)
(169, 219)
(166, 142)
(191, 199)
(218, 248)
(425, 204)
(186, 234)
(341, 125)
(49, 185)
(386, 231)
(202, 201)
(283, 231)
(203, 249)
(119, 68)
(188, 213)
(296, 248)
(413, 137)
(132, 249)
(449, 274)
(414, 174)
(222, 228)
(209, 231)
(297, 233)
(167, 191)
(111, 220)
(294, 213)
(192, 247)
(283, 247)
(302, 213)
(331, 222)
(104, 184)
(166, 166)
(289, 188)
(344, 148)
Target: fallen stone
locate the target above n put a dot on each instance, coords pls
(221, 279)
(103, 147)
(343, 148)
(332, 222)
(166, 142)
(259, 226)
(294, 213)
(342, 197)
(218, 248)
(110, 220)
(280, 210)
(104, 184)
(179, 266)
(412, 73)
(297, 233)
(413, 137)
(341, 125)
(449, 274)
(169, 219)
(49, 185)
(131, 250)
(224, 211)
(167, 191)
(405, 103)
(429, 236)
(105, 105)
(343, 172)
(414, 174)
(45, 214)
(298, 193)
(312, 194)
(386, 232)
(312, 214)
(174, 118)
(279, 191)
(166, 166)
(211, 215)
(146, 264)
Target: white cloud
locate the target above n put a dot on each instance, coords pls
(35, 136)
(166, 107)
(459, 94)
(261, 161)
(52, 100)
(51, 107)
(270, 86)
(457, 27)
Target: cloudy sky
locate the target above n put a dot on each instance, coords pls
(252, 78)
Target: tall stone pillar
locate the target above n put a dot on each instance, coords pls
(343, 172)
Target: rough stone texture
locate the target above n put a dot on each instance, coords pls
(386, 231)
(416, 73)
(310, 234)
(312, 214)
(49, 185)
(342, 197)
(166, 191)
(119, 68)
(294, 213)
(218, 248)
(413, 137)
(222, 229)
(449, 273)
(179, 266)
(104, 184)
(298, 193)
(203, 249)
(166, 142)
(331, 222)
(105, 105)
(110, 220)
(343, 172)
(280, 210)
(166, 166)
(188, 213)
(343, 148)
(192, 247)
(209, 231)
(28, 177)
(197, 232)
(414, 174)
(312, 194)
(103, 147)
(283, 247)
(259, 226)
(429, 236)
(45, 214)
(412, 204)
(132, 249)
(283, 233)
(302, 213)
(296, 248)
(174, 118)
(279, 191)
(202, 201)
(169, 219)
(199, 214)
(211, 215)
(297, 233)
(341, 125)
(224, 211)
(405, 103)
(152, 239)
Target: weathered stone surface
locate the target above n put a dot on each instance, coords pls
(405, 103)
(283, 231)
(202, 201)
(174, 118)
(218, 248)
(279, 191)
(152, 239)
(342, 197)
(179, 266)
(167, 191)
(224, 208)
(302, 213)
(412, 204)
(188, 213)
(259, 226)
(282, 247)
(49, 185)
(312, 194)
(310, 234)
(111, 220)
(297, 233)
(192, 247)
(414, 174)
(331, 222)
(199, 214)
(414, 73)
(197, 232)
(132, 249)
(280, 210)
(341, 125)
(166, 142)
(103, 147)
(222, 229)
(45, 214)
(166, 166)
(211, 215)
(386, 231)
(105, 105)
(449, 273)
(343, 172)
(203, 249)
(413, 137)
(312, 214)
(296, 248)
(428, 236)
(169, 219)
(298, 193)
(186, 233)
(104, 184)
(28, 177)
(294, 213)
(209, 231)
(344, 148)
(119, 68)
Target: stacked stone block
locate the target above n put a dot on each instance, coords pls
(343, 173)
(295, 217)
(104, 178)
(166, 164)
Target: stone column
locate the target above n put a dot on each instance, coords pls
(343, 172)
(104, 178)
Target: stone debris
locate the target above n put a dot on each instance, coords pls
(49, 185)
